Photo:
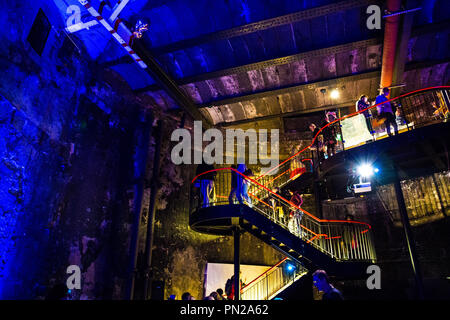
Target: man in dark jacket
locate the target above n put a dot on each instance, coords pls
(320, 280)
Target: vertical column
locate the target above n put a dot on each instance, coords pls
(143, 135)
(237, 280)
(151, 214)
(408, 235)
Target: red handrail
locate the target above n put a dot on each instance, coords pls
(272, 267)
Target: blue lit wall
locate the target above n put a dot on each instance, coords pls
(66, 149)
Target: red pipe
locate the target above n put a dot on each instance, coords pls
(390, 43)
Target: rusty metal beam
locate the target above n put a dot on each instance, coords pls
(368, 75)
(167, 83)
(287, 114)
(283, 60)
(272, 62)
(292, 58)
(298, 87)
(263, 25)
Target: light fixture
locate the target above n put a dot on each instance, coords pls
(334, 94)
(366, 170)
(290, 267)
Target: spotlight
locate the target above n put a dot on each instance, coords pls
(366, 170)
(334, 94)
(290, 267)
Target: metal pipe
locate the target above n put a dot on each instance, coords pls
(143, 135)
(151, 213)
(390, 43)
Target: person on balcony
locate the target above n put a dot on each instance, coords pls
(361, 104)
(238, 188)
(233, 191)
(297, 214)
(399, 118)
(206, 183)
(385, 111)
(330, 133)
(319, 144)
(322, 283)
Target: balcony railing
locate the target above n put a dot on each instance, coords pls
(415, 109)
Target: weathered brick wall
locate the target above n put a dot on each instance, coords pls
(66, 164)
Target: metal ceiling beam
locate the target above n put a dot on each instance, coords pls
(287, 114)
(320, 83)
(292, 58)
(283, 60)
(373, 74)
(273, 62)
(294, 88)
(263, 25)
(167, 83)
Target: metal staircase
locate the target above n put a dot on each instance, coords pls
(343, 248)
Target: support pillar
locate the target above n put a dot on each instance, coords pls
(237, 264)
(408, 235)
(143, 135)
(151, 214)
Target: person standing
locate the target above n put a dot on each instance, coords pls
(246, 185)
(319, 144)
(297, 214)
(385, 111)
(329, 133)
(361, 104)
(233, 192)
(207, 175)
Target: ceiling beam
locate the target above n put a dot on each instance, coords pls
(298, 87)
(272, 62)
(372, 74)
(263, 25)
(283, 60)
(287, 114)
(320, 83)
(291, 58)
(167, 83)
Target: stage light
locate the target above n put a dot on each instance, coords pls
(290, 267)
(365, 170)
(334, 94)
(376, 170)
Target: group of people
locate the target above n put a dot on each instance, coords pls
(293, 217)
(325, 142)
